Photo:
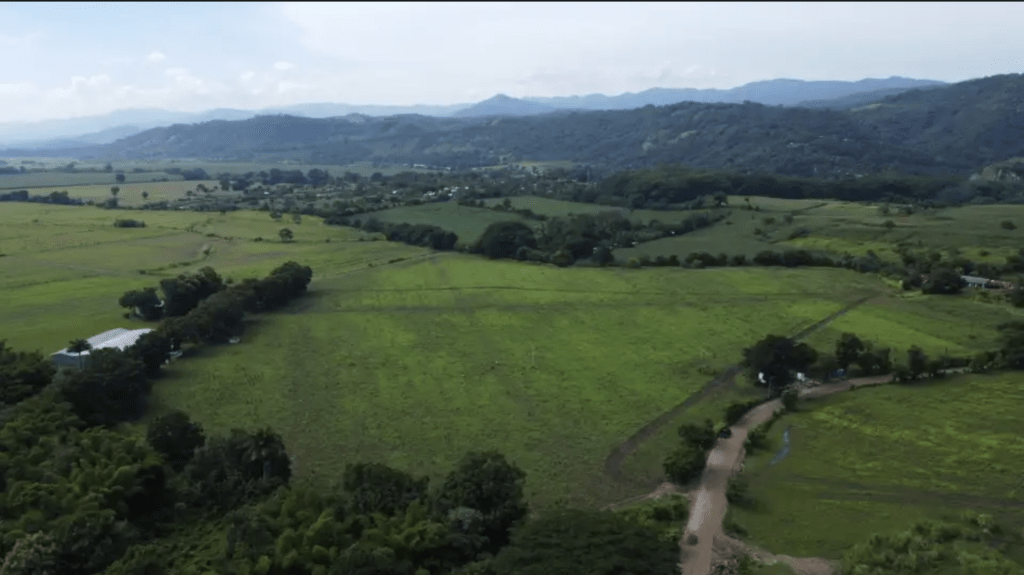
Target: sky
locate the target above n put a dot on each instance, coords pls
(60, 60)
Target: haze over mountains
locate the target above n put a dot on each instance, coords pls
(108, 128)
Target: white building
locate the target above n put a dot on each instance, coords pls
(118, 338)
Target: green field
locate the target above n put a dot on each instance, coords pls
(554, 367)
(878, 459)
(57, 181)
(66, 266)
(467, 223)
(414, 364)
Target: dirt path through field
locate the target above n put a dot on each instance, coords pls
(613, 463)
(708, 502)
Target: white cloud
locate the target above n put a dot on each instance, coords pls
(245, 76)
(283, 66)
(156, 57)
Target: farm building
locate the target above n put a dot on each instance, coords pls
(976, 282)
(118, 338)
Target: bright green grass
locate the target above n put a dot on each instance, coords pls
(878, 459)
(66, 266)
(467, 223)
(938, 324)
(415, 364)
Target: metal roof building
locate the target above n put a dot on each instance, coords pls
(118, 338)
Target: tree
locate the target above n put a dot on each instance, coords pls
(108, 391)
(286, 235)
(943, 281)
(377, 488)
(917, 362)
(848, 349)
(145, 195)
(684, 464)
(701, 437)
(175, 437)
(489, 484)
(79, 346)
(119, 178)
(773, 361)
(585, 542)
(108, 168)
(503, 239)
(22, 374)
(114, 191)
(145, 303)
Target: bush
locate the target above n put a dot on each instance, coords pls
(128, 223)
(1007, 225)
(790, 397)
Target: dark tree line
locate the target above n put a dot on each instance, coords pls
(59, 198)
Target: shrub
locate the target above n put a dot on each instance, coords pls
(1007, 225)
(691, 539)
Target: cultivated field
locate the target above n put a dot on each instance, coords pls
(415, 364)
(877, 459)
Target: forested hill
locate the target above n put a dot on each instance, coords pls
(953, 129)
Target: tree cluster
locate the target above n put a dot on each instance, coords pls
(22, 374)
(129, 223)
(218, 318)
(686, 462)
(60, 198)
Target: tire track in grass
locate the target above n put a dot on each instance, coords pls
(613, 463)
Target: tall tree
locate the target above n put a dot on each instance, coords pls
(848, 349)
(774, 360)
(489, 484)
(176, 437)
(286, 235)
(79, 346)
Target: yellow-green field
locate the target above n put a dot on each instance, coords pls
(413, 362)
(877, 459)
(416, 363)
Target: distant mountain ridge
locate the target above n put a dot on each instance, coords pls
(107, 128)
(953, 129)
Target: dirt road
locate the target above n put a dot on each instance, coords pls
(708, 503)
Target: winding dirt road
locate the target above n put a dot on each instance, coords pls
(708, 502)
(613, 463)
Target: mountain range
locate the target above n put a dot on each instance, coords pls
(107, 128)
(952, 129)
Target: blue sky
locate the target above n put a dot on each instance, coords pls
(74, 59)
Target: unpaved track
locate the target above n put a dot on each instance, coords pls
(708, 502)
(613, 463)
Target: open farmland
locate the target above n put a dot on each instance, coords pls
(65, 266)
(416, 363)
(467, 223)
(877, 459)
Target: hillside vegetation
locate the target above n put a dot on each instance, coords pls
(929, 131)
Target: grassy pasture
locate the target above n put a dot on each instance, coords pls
(878, 459)
(57, 181)
(66, 266)
(937, 324)
(416, 363)
(467, 223)
(130, 194)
